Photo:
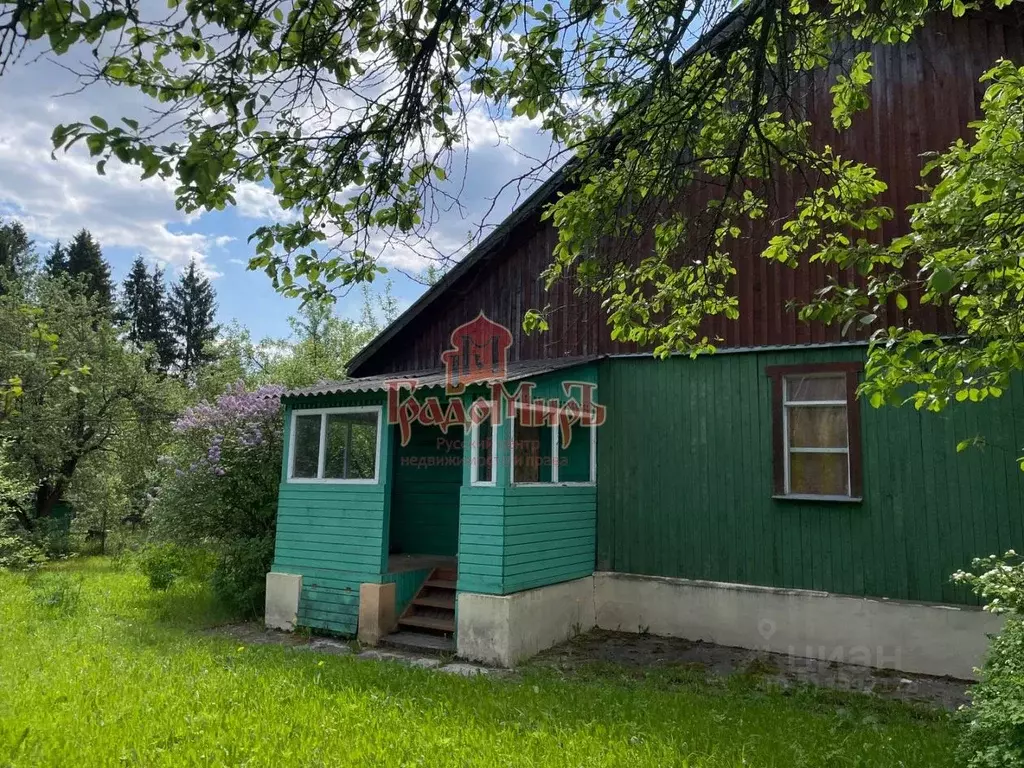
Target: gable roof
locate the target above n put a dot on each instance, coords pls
(484, 248)
(718, 33)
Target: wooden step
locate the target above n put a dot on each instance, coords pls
(428, 622)
(439, 583)
(448, 574)
(446, 601)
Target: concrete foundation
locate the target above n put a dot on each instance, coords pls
(282, 605)
(911, 637)
(917, 638)
(376, 612)
(505, 629)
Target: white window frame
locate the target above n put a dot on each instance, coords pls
(789, 451)
(555, 444)
(323, 413)
(474, 450)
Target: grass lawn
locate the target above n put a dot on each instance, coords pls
(130, 677)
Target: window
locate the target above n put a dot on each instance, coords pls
(539, 457)
(483, 450)
(816, 425)
(335, 445)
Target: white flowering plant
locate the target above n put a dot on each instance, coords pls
(998, 580)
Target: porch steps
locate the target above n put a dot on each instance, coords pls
(419, 642)
(432, 611)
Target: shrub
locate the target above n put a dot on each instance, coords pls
(239, 579)
(993, 735)
(162, 565)
(219, 489)
(17, 551)
(165, 564)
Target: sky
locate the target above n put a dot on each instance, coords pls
(54, 198)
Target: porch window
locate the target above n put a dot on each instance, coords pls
(816, 425)
(483, 448)
(335, 445)
(539, 457)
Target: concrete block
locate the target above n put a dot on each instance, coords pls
(376, 612)
(282, 605)
(505, 629)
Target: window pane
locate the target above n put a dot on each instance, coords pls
(531, 453)
(816, 387)
(817, 427)
(819, 474)
(307, 446)
(351, 446)
(483, 452)
(574, 459)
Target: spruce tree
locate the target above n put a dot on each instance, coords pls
(134, 298)
(193, 307)
(56, 261)
(156, 321)
(145, 313)
(86, 264)
(16, 256)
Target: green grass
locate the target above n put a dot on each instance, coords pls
(119, 675)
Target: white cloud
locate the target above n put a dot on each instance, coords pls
(254, 201)
(54, 198)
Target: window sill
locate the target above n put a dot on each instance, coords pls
(811, 497)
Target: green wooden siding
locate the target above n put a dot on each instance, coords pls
(332, 534)
(515, 537)
(685, 484)
(425, 493)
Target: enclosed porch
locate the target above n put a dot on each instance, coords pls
(396, 500)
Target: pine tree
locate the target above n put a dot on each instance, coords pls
(85, 263)
(56, 261)
(193, 307)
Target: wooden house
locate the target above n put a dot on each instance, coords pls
(746, 497)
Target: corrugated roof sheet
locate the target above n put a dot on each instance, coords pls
(435, 378)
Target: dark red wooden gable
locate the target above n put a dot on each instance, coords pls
(923, 96)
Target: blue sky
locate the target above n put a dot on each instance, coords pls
(56, 198)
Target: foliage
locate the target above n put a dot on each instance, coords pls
(84, 263)
(993, 735)
(967, 239)
(17, 256)
(220, 486)
(319, 348)
(997, 580)
(193, 308)
(171, 694)
(164, 564)
(145, 313)
(64, 421)
(239, 578)
(353, 123)
(17, 551)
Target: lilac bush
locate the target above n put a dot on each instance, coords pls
(219, 487)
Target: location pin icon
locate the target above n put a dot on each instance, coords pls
(766, 628)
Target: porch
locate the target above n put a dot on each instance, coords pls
(391, 510)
